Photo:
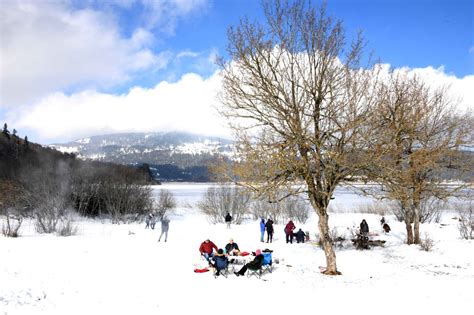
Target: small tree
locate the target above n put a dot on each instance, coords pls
(415, 132)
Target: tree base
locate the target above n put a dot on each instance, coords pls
(330, 272)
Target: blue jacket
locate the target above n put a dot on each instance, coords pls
(220, 261)
(262, 225)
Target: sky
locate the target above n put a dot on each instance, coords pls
(72, 69)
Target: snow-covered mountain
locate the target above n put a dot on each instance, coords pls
(176, 148)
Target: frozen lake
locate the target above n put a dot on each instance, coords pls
(189, 193)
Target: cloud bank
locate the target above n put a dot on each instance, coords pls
(188, 104)
(185, 105)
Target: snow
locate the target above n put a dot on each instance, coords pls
(122, 269)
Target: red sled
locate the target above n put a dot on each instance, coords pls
(201, 270)
(244, 253)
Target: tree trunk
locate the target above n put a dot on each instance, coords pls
(416, 226)
(409, 230)
(331, 268)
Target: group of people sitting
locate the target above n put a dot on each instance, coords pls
(290, 234)
(218, 258)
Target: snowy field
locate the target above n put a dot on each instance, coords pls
(122, 269)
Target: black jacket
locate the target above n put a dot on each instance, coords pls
(228, 218)
(269, 226)
(364, 227)
(256, 263)
(231, 246)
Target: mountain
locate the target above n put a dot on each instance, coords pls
(172, 156)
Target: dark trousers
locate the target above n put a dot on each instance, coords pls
(289, 238)
(269, 237)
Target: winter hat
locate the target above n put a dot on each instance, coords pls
(258, 252)
(220, 251)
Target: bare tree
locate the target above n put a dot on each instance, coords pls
(218, 201)
(415, 133)
(296, 97)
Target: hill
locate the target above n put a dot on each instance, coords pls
(171, 156)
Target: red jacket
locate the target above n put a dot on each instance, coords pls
(207, 247)
(289, 227)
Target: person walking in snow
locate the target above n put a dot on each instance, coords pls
(290, 226)
(228, 219)
(269, 228)
(262, 230)
(165, 226)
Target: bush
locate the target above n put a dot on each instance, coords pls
(67, 227)
(290, 208)
(427, 243)
(165, 203)
(466, 220)
(10, 229)
(218, 201)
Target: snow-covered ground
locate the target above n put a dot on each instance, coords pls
(122, 269)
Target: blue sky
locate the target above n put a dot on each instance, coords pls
(91, 67)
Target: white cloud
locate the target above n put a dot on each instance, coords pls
(47, 47)
(460, 89)
(185, 105)
(50, 46)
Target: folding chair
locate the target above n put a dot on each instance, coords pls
(222, 268)
(267, 263)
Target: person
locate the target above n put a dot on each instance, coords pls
(290, 226)
(232, 248)
(148, 220)
(152, 221)
(228, 218)
(300, 236)
(220, 261)
(385, 226)
(269, 228)
(364, 228)
(207, 249)
(255, 264)
(262, 230)
(165, 226)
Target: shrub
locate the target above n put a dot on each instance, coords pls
(9, 228)
(427, 243)
(466, 220)
(67, 227)
(218, 201)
